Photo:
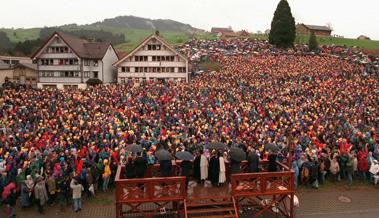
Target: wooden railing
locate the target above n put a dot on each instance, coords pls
(265, 190)
(158, 191)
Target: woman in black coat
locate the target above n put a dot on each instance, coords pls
(140, 165)
(214, 169)
(196, 168)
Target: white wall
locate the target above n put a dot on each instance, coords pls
(109, 71)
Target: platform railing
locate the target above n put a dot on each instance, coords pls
(268, 191)
(159, 194)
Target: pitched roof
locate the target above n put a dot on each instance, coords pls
(220, 29)
(27, 65)
(147, 39)
(4, 66)
(315, 27)
(81, 47)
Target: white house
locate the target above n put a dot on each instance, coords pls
(153, 59)
(68, 61)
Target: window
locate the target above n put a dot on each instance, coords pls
(181, 69)
(154, 58)
(87, 62)
(86, 74)
(76, 74)
(158, 47)
(61, 62)
(95, 74)
(144, 58)
(136, 70)
(95, 63)
(136, 58)
(158, 58)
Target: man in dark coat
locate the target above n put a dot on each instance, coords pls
(186, 170)
(140, 165)
(196, 168)
(253, 161)
(272, 167)
(235, 167)
(130, 171)
(165, 167)
(214, 169)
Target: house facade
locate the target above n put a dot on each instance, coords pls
(25, 74)
(304, 29)
(6, 72)
(153, 59)
(13, 60)
(67, 61)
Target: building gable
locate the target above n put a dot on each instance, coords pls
(146, 42)
(50, 41)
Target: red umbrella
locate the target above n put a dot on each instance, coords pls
(7, 190)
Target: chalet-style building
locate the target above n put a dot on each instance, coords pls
(304, 29)
(67, 61)
(217, 30)
(6, 72)
(25, 74)
(153, 59)
(13, 60)
(363, 37)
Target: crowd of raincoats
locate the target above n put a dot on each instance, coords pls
(323, 105)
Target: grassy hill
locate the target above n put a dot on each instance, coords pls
(303, 39)
(135, 29)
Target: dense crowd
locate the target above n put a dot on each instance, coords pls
(52, 141)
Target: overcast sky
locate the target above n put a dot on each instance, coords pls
(349, 18)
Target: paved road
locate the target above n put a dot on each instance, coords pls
(324, 203)
(339, 203)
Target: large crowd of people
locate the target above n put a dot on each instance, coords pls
(52, 141)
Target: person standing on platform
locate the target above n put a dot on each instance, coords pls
(222, 174)
(203, 167)
(140, 164)
(253, 161)
(214, 169)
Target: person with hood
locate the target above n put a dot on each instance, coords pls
(253, 160)
(203, 167)
(222, 174)
(350, 168)
(30, 186)
(296, 170)
(214, 169)
(140, 164)
(106, 175)
(25, 198)
(11, 203)
(196, 167)
(77, 189)
(374, 170)
(40, 193)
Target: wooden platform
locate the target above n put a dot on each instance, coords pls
(266, 194)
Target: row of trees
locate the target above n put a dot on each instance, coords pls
(283, 28)
(27, 47)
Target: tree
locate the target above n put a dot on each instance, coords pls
(312, 44)
(283, 29)
(94, 82)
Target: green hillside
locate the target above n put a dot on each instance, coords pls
(132, 36)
